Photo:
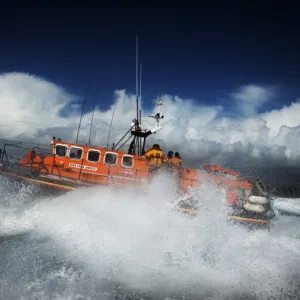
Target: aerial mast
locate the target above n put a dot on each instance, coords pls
(137, 145)
(137, 95)
(141, 104)
(89, 141)
(137, 80)
(86, 95)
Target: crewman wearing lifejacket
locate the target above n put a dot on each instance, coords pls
(175, 166)
(166, 161)
(155, 155)
(176, 161)
(168, 157)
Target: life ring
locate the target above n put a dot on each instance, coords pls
(257, 200)
(254, 208)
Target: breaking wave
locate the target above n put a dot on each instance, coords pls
(288, 206)
(104, 243)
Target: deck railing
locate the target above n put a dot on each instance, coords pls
(34, 168)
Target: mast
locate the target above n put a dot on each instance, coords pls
(141, 106)
(89, 141)
(137, 80)
(137, 94)
(112, 118)
(137, 145)
(86, 95)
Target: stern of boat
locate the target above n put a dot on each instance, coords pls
(248, 202)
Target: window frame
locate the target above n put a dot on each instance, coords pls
(87, 156)
(77, 148)
(108, 152)
(62, 145)
(127, 155)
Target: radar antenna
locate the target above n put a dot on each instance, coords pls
(158, 116)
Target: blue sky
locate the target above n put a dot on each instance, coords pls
(200, 52)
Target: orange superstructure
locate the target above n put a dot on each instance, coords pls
(94, 165)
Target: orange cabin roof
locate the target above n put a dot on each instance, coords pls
(101, 149)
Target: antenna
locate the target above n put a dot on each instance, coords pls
(86, 94)
(89, 141)
(111, 123)
(137, 133)
(137, 80)
(140, 94)
(92, 122)
(137, 94)
(158, 116)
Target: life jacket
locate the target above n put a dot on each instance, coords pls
(175, 161)
(155, 156)
(166, 163)
(166, 160)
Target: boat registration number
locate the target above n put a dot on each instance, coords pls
(89, 168)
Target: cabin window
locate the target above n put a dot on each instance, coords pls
(61, 150)
(93, 156)
(127, 161)
(76, 153)
(110, 158)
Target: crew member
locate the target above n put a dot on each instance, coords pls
(176, 161)
(155, 155)
(166, 161)
(169, 156)
(175, 164)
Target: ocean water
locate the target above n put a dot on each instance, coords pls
(103, 243)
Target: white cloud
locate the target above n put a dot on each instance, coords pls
(251, 97)
(30, 108)
(29, 103)
(288, 116)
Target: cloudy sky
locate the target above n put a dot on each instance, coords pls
(228, 76)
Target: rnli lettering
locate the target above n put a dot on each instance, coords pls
(83, 167)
